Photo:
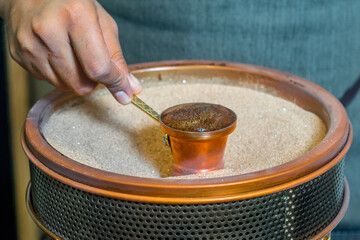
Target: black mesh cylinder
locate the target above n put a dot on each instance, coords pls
(300, 212)
(302, 199)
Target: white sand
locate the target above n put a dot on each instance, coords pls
(101, 133)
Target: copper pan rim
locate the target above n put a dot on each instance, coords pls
(317, 161)
(197, 135)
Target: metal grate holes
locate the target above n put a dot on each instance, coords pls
(297, 213)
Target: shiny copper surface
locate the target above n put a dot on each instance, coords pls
(330, 151)
(196, 133)
(305, 168)
(197, 136)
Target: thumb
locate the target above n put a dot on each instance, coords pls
(125, 84)
(118, 84)
(120, 62)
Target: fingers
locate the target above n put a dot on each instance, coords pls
(30, 53)
(110, 33)
(88, 42)
(117, 57)
(66, 67)
(73, 45)
(59, 54)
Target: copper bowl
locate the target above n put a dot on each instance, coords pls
(304, 198)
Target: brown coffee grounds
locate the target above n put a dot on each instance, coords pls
(198, 117)
(99, 132)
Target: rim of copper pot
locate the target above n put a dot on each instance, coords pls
(195, 136)
(186, 191)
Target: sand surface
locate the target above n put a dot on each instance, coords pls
(99, 132)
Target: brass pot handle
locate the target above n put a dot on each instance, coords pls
(145, 108)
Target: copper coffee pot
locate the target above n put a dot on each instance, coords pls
(196, 133)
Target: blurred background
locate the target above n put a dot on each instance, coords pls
(18, 92)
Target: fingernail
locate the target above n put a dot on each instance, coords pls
(122, 97)
(135, 84)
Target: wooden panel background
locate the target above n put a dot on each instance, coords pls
(18, 92)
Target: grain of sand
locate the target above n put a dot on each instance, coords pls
(98, 132)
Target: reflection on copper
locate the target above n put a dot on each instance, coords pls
(198, 134)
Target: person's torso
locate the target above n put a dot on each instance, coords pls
(315, 39)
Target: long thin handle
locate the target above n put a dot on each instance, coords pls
(146, 108)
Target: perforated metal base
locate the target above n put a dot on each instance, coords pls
(297, 213)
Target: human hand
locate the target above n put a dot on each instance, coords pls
(73, 44)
